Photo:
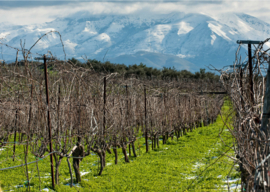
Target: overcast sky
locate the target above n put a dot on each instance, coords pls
(32, 12)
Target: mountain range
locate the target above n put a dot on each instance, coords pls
(184, 41)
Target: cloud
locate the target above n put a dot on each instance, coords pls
(33, 12)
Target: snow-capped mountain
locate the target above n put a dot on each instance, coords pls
(186, 41)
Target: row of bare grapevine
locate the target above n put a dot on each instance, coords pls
(249, 92)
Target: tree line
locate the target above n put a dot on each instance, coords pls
(142, 71)
(138, 71)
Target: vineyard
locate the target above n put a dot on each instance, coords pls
(125, 123)
(64, 111)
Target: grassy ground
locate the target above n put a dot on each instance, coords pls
(194, 163)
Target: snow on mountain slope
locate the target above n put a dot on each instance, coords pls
(155, 60)
(193, 38)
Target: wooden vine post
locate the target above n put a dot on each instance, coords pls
(241, 86)
(49, 118)
(104, 107)
(250, 65)
(145, 120)
(48, 113)
(28, 137)
(250, 73)
(16, 127)
(58, 110)
(129, 149)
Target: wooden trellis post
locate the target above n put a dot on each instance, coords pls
(250, 64)
(266, 105)
(145, 120)
(104, 108)
(44, 58)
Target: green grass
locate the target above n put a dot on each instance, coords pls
(177, 166)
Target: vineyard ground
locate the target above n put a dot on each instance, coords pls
(196, 162)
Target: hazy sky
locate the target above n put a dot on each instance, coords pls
(32, 12)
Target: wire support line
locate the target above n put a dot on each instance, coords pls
(39, 159)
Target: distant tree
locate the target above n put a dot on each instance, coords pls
(186, 74)
(74, 61)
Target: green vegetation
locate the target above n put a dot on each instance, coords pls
(142, 70)
(196, 162)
